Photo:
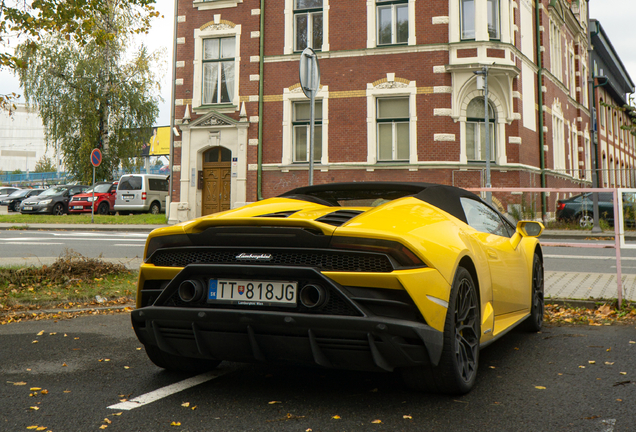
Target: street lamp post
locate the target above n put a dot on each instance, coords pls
(484, 72)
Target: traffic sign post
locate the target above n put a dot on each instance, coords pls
(309, 72)
(96, 160)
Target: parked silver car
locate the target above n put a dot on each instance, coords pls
(142, 193)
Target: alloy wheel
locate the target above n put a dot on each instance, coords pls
(466, 330)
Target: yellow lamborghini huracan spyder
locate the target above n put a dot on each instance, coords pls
(409, 277)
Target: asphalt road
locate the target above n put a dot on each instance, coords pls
(526, 382)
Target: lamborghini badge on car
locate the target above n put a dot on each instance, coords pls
(380, 276)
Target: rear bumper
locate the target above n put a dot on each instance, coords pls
(341, 335)
(360, 343)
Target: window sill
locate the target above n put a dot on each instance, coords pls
(222, 108)
(215, 4)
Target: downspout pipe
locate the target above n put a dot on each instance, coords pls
(540, 85)
(261, 62)
(172, 91)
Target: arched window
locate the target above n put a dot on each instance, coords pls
(476, 132)
(217, 154)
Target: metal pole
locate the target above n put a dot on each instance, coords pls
(487, 126)
(312, 101)
(93, 201)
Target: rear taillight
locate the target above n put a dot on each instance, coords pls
(560, 205)
(143, 195)
(398, 251)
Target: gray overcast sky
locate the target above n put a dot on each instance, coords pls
(616, 16)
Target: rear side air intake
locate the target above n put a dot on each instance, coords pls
(339, 217)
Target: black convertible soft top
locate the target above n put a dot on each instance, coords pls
(441, 196)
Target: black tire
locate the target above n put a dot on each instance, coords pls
(155, 208)
(103, 209)
(13, 207)
(177, 363)
(585, 220)
(535, 321)
(58, 209)
(457, 369)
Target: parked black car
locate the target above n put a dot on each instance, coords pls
(53, 200)
(13, 201)
(580, 209)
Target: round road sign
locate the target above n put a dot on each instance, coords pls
(96, 157)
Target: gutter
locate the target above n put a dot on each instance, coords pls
(261, 62)
(540, 85)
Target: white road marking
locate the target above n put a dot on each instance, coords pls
(163, 392)
(29, 243)
(590, 257)
(123, 244)
(38, 239)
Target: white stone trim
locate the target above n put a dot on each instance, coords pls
(442, 89)
(216, 4)
(253, 141)
(444, 137)
(255, 77)
(252, 167)
(181, 19)
(178, 81)
(442, 112)
(180, 64)
(255, 34)
(255, 59)
(374, 93)
(255, 11)
(181, 41)
(289, 27)
(208, 33)
(440, 20)
(289, 97)
(514, 140)
(253, 119)
(372, 29)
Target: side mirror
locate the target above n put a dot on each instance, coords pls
(530, 228)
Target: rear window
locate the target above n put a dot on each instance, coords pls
(158, 184)
(130, 183)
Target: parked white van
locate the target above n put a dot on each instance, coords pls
(142, 193)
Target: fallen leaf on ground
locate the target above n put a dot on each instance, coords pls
(274, 402)
(539, 387)
(175, 424)
(377, 422)
(407, 417)
(35, 388)
(591, 362)
(623, 373)
(185, 404)
(41, 333)
(34, 408)
(609, 363)
(337, 417)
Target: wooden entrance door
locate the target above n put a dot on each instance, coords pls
(217, 174)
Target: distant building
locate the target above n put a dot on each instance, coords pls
(615, 145)
(22, 142)
(399, 98)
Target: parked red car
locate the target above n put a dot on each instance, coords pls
(105, 194)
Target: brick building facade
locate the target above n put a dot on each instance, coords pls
(399, 98)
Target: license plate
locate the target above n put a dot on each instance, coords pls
(252, 293)
(128, 196)
(28, 208)
(78, 207)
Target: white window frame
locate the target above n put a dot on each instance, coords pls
(556, 53)
(372, 26)
(211, 32)
(290, 34)
(558, 139)
(296, 95)
(373, 93)
(498, 18)
(215, 4)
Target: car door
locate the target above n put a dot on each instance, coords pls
(508, 270)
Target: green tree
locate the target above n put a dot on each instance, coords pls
(94, 94)
(44, 164)
(78, 21)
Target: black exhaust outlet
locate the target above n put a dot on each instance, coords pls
(191, 290)
(312, 296)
